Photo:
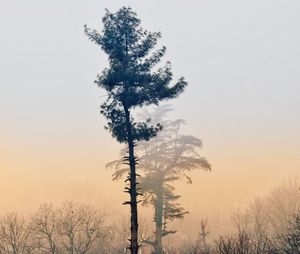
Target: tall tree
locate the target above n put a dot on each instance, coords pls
(131, 82)
(164, 159)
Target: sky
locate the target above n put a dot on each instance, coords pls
(241, 59)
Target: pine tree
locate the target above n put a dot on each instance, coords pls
(131, 82)
(166, 158)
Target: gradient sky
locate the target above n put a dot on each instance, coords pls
(241, 59)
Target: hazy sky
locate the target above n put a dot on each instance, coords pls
(241, 59)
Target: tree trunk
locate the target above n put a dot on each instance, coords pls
(132, 190)
(158, 223)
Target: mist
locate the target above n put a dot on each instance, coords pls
(240, 61)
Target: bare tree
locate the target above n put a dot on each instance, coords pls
(203, 246)
(258, 222)
(80, 226)
(268, 223)
(117, 236)
(44, 225)
(241, 243)
(281, 205)
(288, 243)
(292, 239)
(200, 246)
(119, 232)
(15, 235)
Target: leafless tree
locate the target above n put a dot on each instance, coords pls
(241, 243)
(15, 235)
(281, 205)
(44, 225)
(203, 247)
(119, 233)
(289, 243)
(256, 213)
(292, 239)
(258, 222)
(80, 227)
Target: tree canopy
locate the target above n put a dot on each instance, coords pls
(130, 80)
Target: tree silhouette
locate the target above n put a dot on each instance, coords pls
(80, 226)
(44, 225)
(131, 82)
(292, 239)
(15, 235)
(164, 159)
(204, 248)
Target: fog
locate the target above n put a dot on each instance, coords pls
(241, 61)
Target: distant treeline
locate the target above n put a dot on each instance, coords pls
(269, 225)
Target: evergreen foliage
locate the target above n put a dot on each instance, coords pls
(131, 82)
(166, 158)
